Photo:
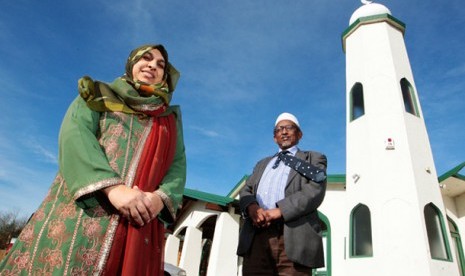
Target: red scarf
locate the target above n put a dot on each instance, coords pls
(139, 251)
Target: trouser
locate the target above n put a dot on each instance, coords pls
(267, 256)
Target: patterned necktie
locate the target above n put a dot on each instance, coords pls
(303, 167)
(279, 158)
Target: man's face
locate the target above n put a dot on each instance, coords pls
(286, 134)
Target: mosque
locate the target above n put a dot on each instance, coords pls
(390, 214)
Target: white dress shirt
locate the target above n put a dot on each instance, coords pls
(273, 182)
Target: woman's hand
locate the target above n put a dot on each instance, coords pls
(135, 205)
(156, 200)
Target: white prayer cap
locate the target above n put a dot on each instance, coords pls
(287, 116)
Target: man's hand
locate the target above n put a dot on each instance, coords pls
(273, 214)
(263, 218)
(257, 215)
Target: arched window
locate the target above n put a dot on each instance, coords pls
(181, 235)
(361, 244)
(208, 231)
(435, 230)
(326, 234)
(458, 248)
(357, 106)
(408, 95)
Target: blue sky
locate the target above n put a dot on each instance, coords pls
(242, 63)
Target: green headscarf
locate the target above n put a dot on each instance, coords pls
(129, 96)
(171, 74)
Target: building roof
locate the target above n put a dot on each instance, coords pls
(394, 22)
(452, 182)
(207, 197)
(335, 179)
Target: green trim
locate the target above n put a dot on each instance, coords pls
(337, 178)
(351, 103)
(237, 186)
(357, 87)
(391, 20)
(327, 235)
(351, 233)
(454, 172)
(412, 96)
(445, 240)
(211, 198)
(458, 243)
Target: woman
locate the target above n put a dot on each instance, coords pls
(122, 171)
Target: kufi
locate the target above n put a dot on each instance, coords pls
(287, 116)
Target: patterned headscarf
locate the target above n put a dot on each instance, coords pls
(171, 75)
(129, 96)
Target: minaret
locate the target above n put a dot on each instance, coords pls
(398, 223)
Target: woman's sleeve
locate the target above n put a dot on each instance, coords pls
(171, 188)
(83, 163)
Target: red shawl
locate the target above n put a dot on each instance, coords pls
(139, 250)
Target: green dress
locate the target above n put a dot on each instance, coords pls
(71, 233)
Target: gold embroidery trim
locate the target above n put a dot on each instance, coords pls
(42, 229)
(97, 186)
(73, 240)
(128, 147)
(106, 246)
(137, 155)
(168, 202)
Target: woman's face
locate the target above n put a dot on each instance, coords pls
(150, 68)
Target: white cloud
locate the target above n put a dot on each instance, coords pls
(458, 71)
(205, 132)
(46, 154)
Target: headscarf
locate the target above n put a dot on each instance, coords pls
(170, 77)
(129, 96)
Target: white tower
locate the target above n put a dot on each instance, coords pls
(398, 224)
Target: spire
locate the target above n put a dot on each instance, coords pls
(368, 9)
(366, 2)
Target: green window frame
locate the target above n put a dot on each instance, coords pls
(357, 105)
(408, 95)
(326, 234)
(361, 242)
(454, 233)
(436, 231)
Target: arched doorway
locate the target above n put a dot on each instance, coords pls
(457, 245)
(208, 231)
(326, 233)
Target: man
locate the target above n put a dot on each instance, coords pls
(281, 234)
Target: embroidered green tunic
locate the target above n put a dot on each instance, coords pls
(71, 232)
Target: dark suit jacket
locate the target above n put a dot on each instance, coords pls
(302, 231)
